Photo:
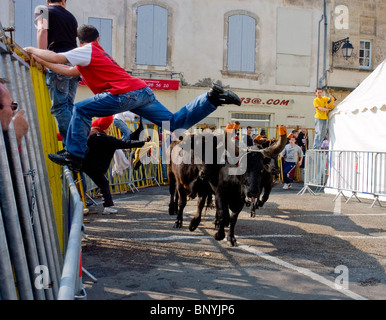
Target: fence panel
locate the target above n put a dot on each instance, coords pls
(27, 213)
(346, 171)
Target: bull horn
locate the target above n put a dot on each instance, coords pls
(274, 150)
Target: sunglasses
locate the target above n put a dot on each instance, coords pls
(13, 105)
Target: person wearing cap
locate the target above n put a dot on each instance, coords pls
(101, 149)
(115, 92)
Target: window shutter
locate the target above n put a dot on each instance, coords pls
(105, 29)
(25, 34)
(152, 35)
(241, 43)
(235, 43)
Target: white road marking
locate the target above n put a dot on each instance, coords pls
(304, 271)
(338, 206)
(263, 236)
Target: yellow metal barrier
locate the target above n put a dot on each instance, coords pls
(48, 129)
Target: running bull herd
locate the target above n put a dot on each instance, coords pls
(210, 165)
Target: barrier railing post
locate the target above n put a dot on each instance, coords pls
(69, 284)
(7, 281)
(12, 227)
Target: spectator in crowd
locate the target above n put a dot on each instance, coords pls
(8, 111)
(293, 157)
(295, 133)
(120, 122)
(323, 106)
(101, 149)
(116, 91)
(302, 140)
(325, 143)
(249, 137)
(57, 31)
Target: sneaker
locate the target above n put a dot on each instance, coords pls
(67, 159)
(109, 210)
(286, 186)
(289, 186)
(218, 96)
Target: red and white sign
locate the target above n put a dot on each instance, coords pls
(163, 84)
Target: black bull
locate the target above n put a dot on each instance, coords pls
(203, 165)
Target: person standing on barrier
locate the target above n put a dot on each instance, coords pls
(293, 157)
(101, 149)
(323, 106)
(8, 111)
(115, 92)
(57, 31)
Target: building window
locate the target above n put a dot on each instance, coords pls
(365, 54)
(241, 43)
(252, 119)
(105, 29)
(152, 35)
(25, 34)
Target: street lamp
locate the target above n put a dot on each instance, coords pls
(347, 48)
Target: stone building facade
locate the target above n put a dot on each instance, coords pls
(364, 23)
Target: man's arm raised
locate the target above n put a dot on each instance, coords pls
(58, 68)
(47, 55)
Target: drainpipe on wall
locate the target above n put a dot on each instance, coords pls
(125, 37)
(324, 77)
(318, 60)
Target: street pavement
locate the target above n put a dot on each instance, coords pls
(298, 247)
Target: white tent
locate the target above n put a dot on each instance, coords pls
(358, 127)
(358, 123)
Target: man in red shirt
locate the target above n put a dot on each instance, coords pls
(116, 91)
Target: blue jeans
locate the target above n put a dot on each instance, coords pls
(320, 132)
(62, 91)
(289, 171)
(141, 102)
(122, 126)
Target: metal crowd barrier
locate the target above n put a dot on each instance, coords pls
(71, 285)
(358, 173)
(32, 236)
(29, 242)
